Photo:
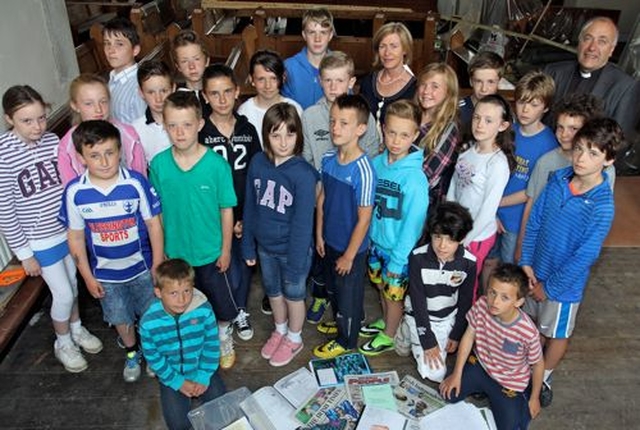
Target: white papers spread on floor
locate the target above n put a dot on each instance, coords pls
(458, 416)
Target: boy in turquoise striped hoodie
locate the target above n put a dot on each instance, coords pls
(180, 342)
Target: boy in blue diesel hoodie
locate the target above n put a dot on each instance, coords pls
(400, 209)
(179, 337)
(563, 238)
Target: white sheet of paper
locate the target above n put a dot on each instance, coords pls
(457, 416)
(327, 377)
(380, 419)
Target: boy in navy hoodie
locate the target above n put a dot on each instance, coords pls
(563, 238)
(401, 204)
(233, 137)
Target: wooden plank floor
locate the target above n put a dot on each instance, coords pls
(595, 387)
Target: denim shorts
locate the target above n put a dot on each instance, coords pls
(505, 247)
(273, 268)
(124, 302)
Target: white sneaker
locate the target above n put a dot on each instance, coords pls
(243, 325)
(70, 357)
(402, 340)
(132, 370)
(85, 340)
(149, 371)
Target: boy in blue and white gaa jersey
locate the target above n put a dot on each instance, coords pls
(113, 213)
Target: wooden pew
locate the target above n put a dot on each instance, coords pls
(358, 47)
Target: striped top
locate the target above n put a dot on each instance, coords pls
(30, 192)
(126, 103)
(114, 223)
(506, 351)
(438, 291)
(346, 187)
(181, 347)
(564, 235)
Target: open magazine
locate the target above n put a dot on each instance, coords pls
(273, 408)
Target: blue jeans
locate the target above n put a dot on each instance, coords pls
(510, 408)
(124, 302)
(176, 406)
(346, 294)
(275, 282)
(240, 274)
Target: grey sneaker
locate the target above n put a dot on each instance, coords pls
(402, 340)
(70, 357)
(85, 340)
(132, 371)
(546, 395)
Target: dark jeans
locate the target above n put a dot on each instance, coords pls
(240, 274)
(317, 275)
(346, 294)
(510, 408)
(216, 286)
(176, 406)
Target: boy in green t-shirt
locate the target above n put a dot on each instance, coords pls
(196, 189)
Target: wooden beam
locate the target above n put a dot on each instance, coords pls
(250, 5)
(19, 307)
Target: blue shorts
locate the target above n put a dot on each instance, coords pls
(124, 302)
(273, 268)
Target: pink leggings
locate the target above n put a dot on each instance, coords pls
(480, 250)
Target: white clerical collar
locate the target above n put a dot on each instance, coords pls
(585, 75)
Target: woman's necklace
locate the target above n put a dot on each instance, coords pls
(390, 81)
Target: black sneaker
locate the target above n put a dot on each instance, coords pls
(546, 395)
(266, 306)
(243, 325)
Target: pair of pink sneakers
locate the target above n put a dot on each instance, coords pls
(280, 350)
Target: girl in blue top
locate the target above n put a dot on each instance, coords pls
(278, 217)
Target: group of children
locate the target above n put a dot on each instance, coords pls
(314, 195)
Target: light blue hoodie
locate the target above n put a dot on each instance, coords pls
(400, 209)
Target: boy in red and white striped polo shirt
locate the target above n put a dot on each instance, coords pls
(507, 364)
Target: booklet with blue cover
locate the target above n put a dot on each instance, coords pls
(330, 372)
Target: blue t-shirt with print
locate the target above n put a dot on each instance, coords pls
(528, 150)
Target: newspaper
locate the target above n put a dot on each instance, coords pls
(353, 385)
(328, 409)
(415, 399)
